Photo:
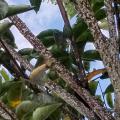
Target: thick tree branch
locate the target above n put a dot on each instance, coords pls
(115, 46)
(17, 56)
(61, 70)
(70, 99)
(76, 52)
(107, 48)
(6, 113)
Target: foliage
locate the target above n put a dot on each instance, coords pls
(13, 90)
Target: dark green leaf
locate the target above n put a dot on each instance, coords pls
(17, 9)
(104, 75)
(3, 9)
(97, 4)
(51, 36)
(5, 26)
(9, 38)
(93, 87)
(109, 99)
(36, 4)
(100, 14)
(91, 55)
(25, 51)
(109, 89)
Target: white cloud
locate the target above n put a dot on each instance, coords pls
(47, 17)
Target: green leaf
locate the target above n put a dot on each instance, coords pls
(51, 36)
(15, 91)
(109, 100)
(93, 87)
(5, 26)
(100, 14)
(25, 51)
(9, 38)
(24, 108)
(67, 31)
(3, 9)
(42, 113)
(4, 74)
(97, 4)
(109, 89)
(17, 9)
(69, 8)
(91, 55)
(36, 4)
(104, 75)
(6, 86)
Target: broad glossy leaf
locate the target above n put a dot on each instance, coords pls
(25, 51)
(104, 75)
(69, 8)
(15, 92)
(97, 4)
(5, 87)
(3, 9)
(24, 108)
(100, 14)
(42, 113)
(51, 36)
(9, 38)
(109, 89)
(85, 37)
(93, 87)
(17, 9)
(5, 26)
(91, 55)
(36, 4)
(109, 99)
(79, 27)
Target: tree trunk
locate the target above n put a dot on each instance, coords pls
(108, 48)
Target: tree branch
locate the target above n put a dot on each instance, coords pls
(6, 113)
(75, 51)
(108, 48)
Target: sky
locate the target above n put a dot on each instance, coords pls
(48, 17)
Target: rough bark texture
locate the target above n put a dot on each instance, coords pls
(115, 45)
(70, 99)
(108, 48)
(6, 113)
(18, 57)
(62, 71)
(76, 52)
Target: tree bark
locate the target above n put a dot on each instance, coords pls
(108, 48)
(6, 113)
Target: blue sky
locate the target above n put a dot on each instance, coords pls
(48, 17)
